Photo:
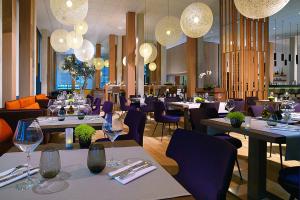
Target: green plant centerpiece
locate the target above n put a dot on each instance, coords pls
(199, 99)
(84, 133)
(236, 119)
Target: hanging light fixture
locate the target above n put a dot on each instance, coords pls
(275, 55)
(282, 52)
(58, 40)
(69, 12)
(81, 27)
(257, 9)
(74, 40)
(196, 20)
(168, 31)
(106, 63)
(153, 55)
(152, 66)
(98, 63)
(85, 52)
(145, 50)
(290, 55)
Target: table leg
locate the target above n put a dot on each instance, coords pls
(257, 160)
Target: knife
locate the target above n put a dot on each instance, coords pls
(124, 176)
(126, 171)
(16, 175)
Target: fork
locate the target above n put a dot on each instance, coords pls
(14, 170)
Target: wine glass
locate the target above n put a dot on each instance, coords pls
(112, 128)
(51, 106)
(230, 105)
(27, 137)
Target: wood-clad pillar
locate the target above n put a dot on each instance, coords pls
(140, 70)
(98, 72)
(191, 64)
(51, 68)
(112, 58)
(27, 52)
(44, 60)
(158, 64)
(8, 50)
(130, 54)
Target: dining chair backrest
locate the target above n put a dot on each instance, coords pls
(96, 106)
(107, 107)
(251, 101)
(239, 105)
(207, 105)
(123, 102)
(198, 114)
(159, 109)
(205, 163)
(297, 108)
(256, 110)
(90, 97)
(136, 121)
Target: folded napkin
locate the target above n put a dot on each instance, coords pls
(13, 177)
(139, 171)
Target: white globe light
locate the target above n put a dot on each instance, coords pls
(81, 28)
(69, 12)
(152, 67)
(98, 63)
(145, 50)
(74, 40)
(124, 61)
(85, 52)
(58, 40)
(196, 20)
(168, 31)
(256, 9)
(153, 56)
(106, 63)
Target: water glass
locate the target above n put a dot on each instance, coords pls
(247, 122)
(96, 160)
(50, 163)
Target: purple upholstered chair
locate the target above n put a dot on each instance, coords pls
(255, 110)
(107, 107)
(136, 121)
(96, 106)
(205, 163)
(149, 107)
(160, 117)
(198, 114)
(289, 179)
(90, 97)
(170, 110)
(123, 106)
(297, 108)
(239, 106)
(208, 105)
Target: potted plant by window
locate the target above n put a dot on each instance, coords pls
(199, 99)
(236, 119)
(84, 133)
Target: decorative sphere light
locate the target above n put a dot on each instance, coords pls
(74, 40)
(256, 9)
(153, 56)
(145, 50)
(168, 31)
(98, 63)
(58, 40)
(81, 27)
(196, 20)
(106, 63)
(124, 61)
(152, 66)
(69, 12)
(85, 52)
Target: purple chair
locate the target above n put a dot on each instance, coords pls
(297, 108)
(107, 107)
(171, 111)
(208, 105)
(90, 97)
(239, 106)
(136, 121)
(255, 110)
(123, 106)
(160, 117)
(149, 107)
(96, 106)
(205, 163)
(289, 179)
(198, 114)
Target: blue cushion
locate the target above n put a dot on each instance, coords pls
(289, 179)
(169, 119)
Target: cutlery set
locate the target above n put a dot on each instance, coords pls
(131, 170)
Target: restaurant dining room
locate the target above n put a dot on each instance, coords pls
(149, 99)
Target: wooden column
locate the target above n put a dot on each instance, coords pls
(8, 50)
(112, 58)
(191, 64)
(158, 64)
(51, 69)
(98, 72)
(130, 54)
(27, 61)
(123, 55)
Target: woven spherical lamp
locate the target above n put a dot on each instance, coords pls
(81, 27)
(257, 9)
(58, 40)
(85, 52)
(152, 66)
(168, 31)
(106, 63)
(153, 55)
(145, 50)
(98, 63)
(74, 40)
(196, 20)
(69, 12)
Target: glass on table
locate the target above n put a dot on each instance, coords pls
(52, 106)
(50, 163)
(247, 122)
(27, 137)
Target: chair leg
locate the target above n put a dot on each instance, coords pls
(280, 153)
(162, 131)
(169, 128)
(237, 163)
(155, 128)
(176, 124)
(271, 146)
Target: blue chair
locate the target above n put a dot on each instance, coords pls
(160, 117)
(205, 163)
(289, 179)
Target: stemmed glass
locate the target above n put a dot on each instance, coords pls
(27, 137)
(230, 105)
(113, 127)
(51, 106)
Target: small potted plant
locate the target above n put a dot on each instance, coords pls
(84, 133)
(236, 119)
(199, 99)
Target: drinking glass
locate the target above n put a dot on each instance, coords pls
(230, 105)
(27, 137)
(247, 122)
(51, 106)
(112, 128)
(49, 163)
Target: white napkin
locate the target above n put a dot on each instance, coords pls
(134, 175)
(21, 176)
